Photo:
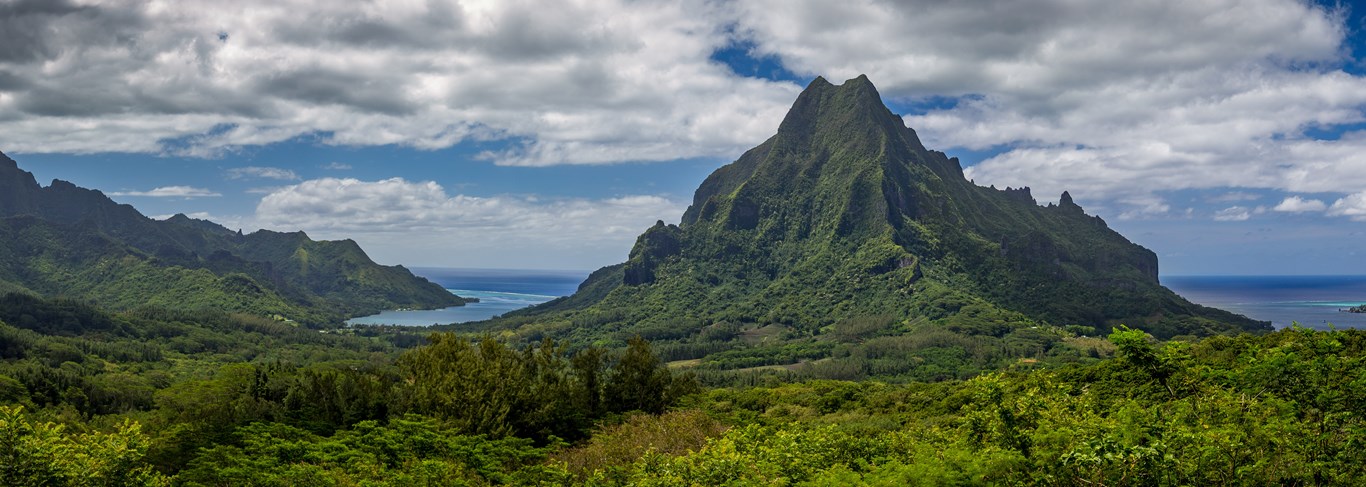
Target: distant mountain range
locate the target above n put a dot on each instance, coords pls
(63, 240)
(844, 223)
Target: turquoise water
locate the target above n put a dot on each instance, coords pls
(1311, 301)
(499, 291)
(491, 303)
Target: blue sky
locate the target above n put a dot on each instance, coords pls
(1229, 137)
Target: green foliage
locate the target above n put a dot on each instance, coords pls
(639, 382)
(1246, 410)
(484, 387)
(607, 456)
(406, 451)
(42, 453)
(475, 386)
(265, 403)
(196, 378)
(57, 316)
(192, 377)
(758, 455)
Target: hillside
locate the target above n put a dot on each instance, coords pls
(842, 237)
(92, 398)
(63, 240)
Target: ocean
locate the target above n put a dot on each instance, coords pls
(499, 291)
(1310, 301)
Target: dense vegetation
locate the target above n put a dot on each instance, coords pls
(152, 394)
(63, 240)
(152, 397)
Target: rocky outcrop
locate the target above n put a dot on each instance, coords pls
(656, 245)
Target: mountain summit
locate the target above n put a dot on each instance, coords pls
(845, 215)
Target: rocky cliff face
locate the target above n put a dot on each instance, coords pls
(844, 213)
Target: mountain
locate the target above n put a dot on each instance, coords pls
(844, 228)
(64, 240)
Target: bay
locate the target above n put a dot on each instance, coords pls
(498, 290)
(1311, 301)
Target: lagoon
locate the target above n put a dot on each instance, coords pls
(1311, 301)
(498, 290)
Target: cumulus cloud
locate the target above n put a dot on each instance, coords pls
(1143, 206)
(406, 218)
(170, 192)
(570, 82)
(1109, 100)
(262, 173)
(1233, 214)
(1296, 204)
(1352, 206)
(1115, 101)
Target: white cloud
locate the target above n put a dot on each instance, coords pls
(262, 173)
(1143, 206)
(1040, 49)
(1115, 101)
(170, 192)
(1233, 214)
(593, 81)
(1111, 100)
(1296, 204)
(1352, 206)
(337, 166)
(401, 219)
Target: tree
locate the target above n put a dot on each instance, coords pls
(1137, 349)
(640, 382)
(590, 367)
(476, 387)
(44, 454)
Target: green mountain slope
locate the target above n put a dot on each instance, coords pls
(843, 229)
(63, 240)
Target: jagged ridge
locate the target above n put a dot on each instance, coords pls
(66, 240)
